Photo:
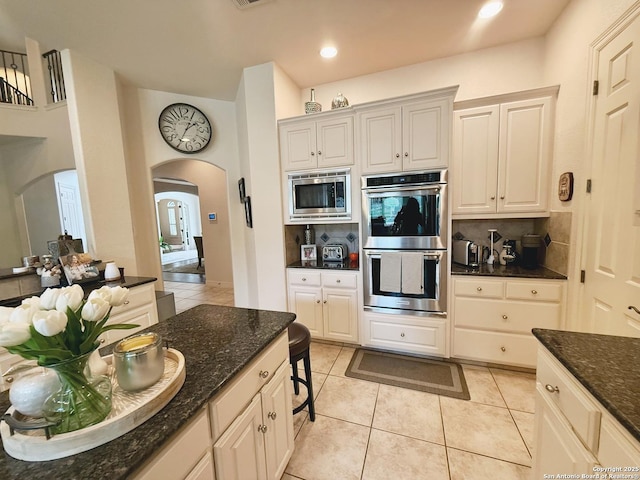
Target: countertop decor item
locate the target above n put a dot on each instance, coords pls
(185, 128)
(339, 101)
(312, 106)
(111, 272)
(60, 330)
(139, 361)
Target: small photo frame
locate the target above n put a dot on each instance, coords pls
(77, 268)
(308, 253)
(247, 212)
(241, 190)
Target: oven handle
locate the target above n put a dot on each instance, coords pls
(397, 188)
(437, 256)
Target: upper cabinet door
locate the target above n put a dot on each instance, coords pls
(474, 163)
(526, 129)
(298, 146)
(335, 142)
(425, 134)
(380, 140)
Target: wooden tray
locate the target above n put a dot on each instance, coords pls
(129, 410)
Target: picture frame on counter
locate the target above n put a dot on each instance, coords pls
(77, 268)
(308, 253)
(247, 212)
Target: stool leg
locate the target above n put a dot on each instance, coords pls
(307, 373)
(296, 384)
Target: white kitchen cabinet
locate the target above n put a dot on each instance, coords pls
(404, 134)
(322, 142)
(406, 333)
(493, 318)
(325, 302)
(502, 155)
(574, 433)
(139, 309)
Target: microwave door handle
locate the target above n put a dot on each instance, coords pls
(407, 188)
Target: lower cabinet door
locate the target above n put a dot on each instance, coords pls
(204, 469)
(340, 311)
(239, 453)
(557, 449)
(277, 416)
(306, 303)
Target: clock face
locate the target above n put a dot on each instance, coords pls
(184, 128)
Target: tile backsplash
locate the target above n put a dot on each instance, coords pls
(323, 234)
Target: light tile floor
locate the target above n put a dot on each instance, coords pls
(367, 431)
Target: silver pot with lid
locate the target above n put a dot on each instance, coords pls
(139, 361)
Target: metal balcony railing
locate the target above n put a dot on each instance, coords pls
(56, 78)
(15, 84)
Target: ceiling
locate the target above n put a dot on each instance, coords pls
(199, 47)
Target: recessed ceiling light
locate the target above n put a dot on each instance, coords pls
(328, 52)
(490, 9)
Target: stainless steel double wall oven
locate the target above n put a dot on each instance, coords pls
(405, 238)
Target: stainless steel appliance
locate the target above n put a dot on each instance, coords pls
(432, 298)
(466, 252)
(405, 210)
(320, 194)
(334, 253)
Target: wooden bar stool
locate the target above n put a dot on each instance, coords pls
(299, 341)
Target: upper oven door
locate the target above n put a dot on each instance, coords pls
(405, 217)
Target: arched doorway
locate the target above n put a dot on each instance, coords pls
(210, 184)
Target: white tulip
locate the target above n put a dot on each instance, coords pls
(70, 297)
(5, 313)
(48, 298)
(118, 295)
(23, 314)
(49, 322)
(12, 334)
(102, 292)
(33, 302)
(95, 309)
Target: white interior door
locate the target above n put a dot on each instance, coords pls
(612, 280)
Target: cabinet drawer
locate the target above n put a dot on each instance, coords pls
(422, 335)
(339, 280)
(138, 296)
(234, 398)
(479, 287)
(535, 291)
(508, 316)
(304, 277)
(507, 348)
(566, 393)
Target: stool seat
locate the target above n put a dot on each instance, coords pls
(299, 339)
(299, 342)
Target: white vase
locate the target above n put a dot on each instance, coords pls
(111, 272)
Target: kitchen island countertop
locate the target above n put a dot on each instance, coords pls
(217, 343)
(607, 366)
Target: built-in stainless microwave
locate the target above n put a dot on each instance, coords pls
(320, 194)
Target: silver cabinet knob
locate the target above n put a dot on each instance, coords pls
(324, 301)
(505, 317)
(272, 415)
(402, 334)
(304, 279)
(397, 155)
(406, 154)
(535, 292)
(552, 389)
(313, 154)
(479, 289)
(264, 373)
(317, 301)
(102, 340)
(319, 152)
(9, 380)
(501, 197)
(493, 197)
(262, 428)
(503, 349)
(338, 281)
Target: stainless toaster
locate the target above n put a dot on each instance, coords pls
(334, 253)
(466, 252)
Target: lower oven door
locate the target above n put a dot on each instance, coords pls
(433, 297)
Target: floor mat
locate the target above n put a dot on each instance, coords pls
(184, 266)
(433, 376)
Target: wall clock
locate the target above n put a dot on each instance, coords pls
(185, 128)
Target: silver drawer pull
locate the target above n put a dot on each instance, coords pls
(505, 317)
(264, 373)
(479, 289)
(503, 349)
(126, 302)
(272, 415)
(535, 292)
(552, 389)
(262, 428)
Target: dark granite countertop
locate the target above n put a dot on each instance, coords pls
(347, 265)
(217, 342)
(128, 281)
(607, 366)
(9, 273)
(506, 271)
